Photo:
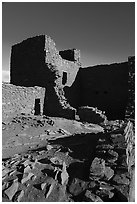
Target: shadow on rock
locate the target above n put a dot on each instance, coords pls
(81, 146)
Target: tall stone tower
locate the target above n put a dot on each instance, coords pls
(36, 62)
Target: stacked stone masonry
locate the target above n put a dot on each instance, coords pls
(36, 62)
(17, 100)
(130, 110)
(56, 78)
(113, 166)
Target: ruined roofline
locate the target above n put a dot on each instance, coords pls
(27, 39)
(46, 37)
(72, 55)
(69, 49)
(105, 65)
(132, 58)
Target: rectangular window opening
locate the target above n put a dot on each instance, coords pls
(64, 78)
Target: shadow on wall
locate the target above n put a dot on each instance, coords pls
(73, 93)
(101, 86)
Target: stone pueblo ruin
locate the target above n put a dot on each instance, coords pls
(68, 132)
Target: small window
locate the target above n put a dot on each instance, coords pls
(64, 78)
(37, 106)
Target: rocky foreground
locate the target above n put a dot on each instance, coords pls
(59, 160)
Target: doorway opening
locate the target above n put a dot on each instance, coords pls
(37, 106)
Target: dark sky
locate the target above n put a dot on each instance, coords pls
(104, 32)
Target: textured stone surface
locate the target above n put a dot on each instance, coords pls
(37, 62)
(77, 186)
(105, 193)
(97, 167)
(121, 179)
(17, 99)
(130, 110)
(120, 160)
(93, 197)
(132, 187)
(66, 167)
(109, 173)
(71, 55)
(91, 115)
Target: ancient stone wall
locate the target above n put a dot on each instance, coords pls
(32, 58)
(27, 62)
(105, 87)
(71, 55)
(113, 165)
(130, 110)
(36, 62)
(73, 92)
(17, 100)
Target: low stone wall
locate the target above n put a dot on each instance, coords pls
(17, 99)
(130, 152)
(112, 169)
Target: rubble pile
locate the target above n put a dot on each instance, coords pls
(112, 167)
(91, 115)
(59, 172)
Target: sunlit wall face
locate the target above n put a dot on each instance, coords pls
(104, 32)
(5, 76)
